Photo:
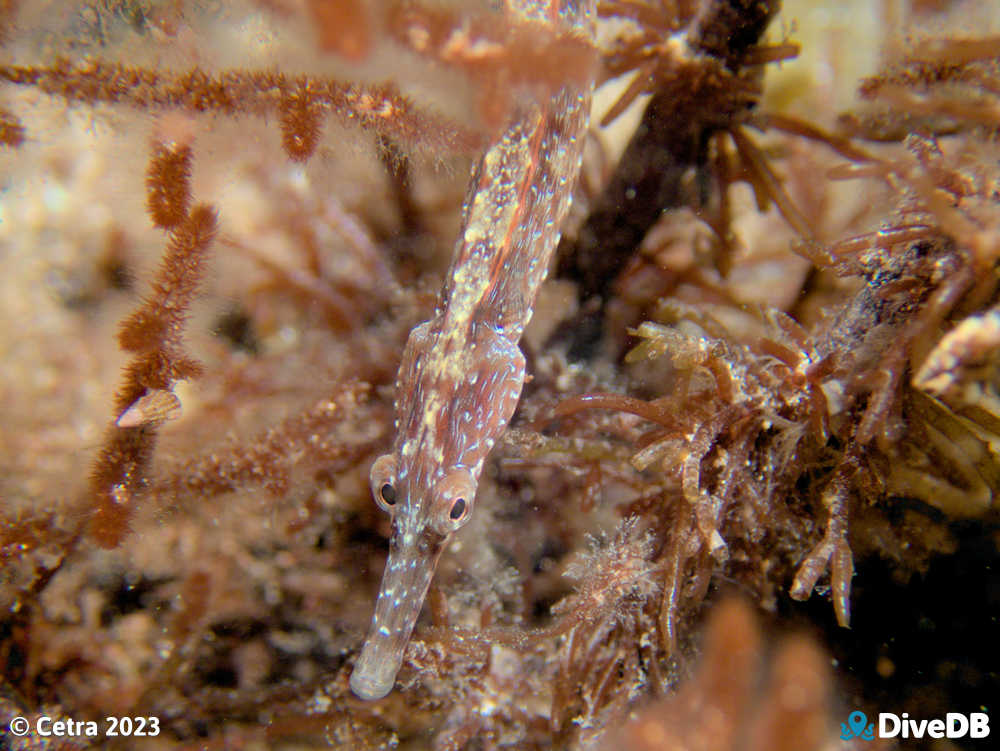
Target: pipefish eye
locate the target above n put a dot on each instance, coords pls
(453, 498)
(388, 493)
(383, 479)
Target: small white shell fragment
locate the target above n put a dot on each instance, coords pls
(155, 407)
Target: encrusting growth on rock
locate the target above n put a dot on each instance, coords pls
(298, 100)
(168, 184)
(153, 333)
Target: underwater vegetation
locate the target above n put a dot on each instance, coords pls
(750, 484)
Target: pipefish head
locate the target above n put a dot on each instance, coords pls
(424, 515)
(456, 394)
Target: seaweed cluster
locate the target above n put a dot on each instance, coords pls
(766, 363)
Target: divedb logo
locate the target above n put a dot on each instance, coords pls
(954, 725)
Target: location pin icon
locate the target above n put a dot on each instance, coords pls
(857, 721)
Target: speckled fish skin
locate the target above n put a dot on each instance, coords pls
(462, 371)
